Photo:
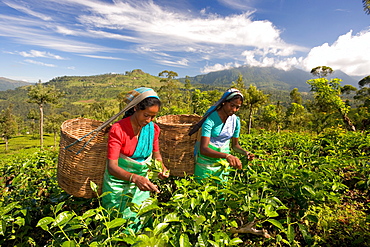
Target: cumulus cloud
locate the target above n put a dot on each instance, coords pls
(349, 53)
(218, 67)
(172, 37)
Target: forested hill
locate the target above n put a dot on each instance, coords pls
(81, 91)
(6, 84)
(267, 78)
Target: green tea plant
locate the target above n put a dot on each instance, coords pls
(301, 190)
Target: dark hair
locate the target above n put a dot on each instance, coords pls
(145, 103)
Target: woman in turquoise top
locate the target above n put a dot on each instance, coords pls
(220, 128)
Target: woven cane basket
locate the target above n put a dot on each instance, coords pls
(84, 160)
(176, 146)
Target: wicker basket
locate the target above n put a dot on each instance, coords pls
(84, 161)
(176, 146)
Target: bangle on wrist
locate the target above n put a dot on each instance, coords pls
(227, 156)
(130, 180)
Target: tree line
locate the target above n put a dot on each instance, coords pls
(325, 108)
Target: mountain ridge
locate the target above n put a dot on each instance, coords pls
(267, 78)
(6, 84)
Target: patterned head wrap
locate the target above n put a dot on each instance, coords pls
(143, 92)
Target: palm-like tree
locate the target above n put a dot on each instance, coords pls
(366, 4)
(42, 95)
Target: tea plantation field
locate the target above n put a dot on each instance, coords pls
(301, 190)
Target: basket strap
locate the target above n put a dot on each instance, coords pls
(133, 103)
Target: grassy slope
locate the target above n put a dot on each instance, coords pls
(26, 143)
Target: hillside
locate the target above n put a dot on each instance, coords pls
(81, 91)
(267, 78)
(6, 84)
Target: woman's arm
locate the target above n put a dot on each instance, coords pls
(141, 182)
(206, 151)
(237, 148)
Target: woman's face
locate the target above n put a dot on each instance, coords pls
(143, 117)
(232, 106)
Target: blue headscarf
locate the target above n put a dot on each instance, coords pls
(229, 94)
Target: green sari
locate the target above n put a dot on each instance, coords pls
(123, 193)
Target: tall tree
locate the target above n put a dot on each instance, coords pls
(327, 98)
(366, 4)
(363, 95)
(254, 99)
(170, 91)
(364, 81)
(296, 96)
(41, 95)
(53, 123)
(322, 71)
(296, 117)
(8, 125)
(272, 117)
(33, 115)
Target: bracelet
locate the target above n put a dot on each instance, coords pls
(129, 181)
(227, 156)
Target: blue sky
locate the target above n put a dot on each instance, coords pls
(43, 39)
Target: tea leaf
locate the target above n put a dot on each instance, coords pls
(159, 228)
(276, 223)
(44, 222)
(184, 240)
(115, 223)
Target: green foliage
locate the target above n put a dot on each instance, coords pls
(327, 101)
(366, 4)
(8, 125)
(322, 71)
(304, 190)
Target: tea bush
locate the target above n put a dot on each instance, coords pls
(301, 190)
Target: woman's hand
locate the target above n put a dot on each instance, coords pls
(144, 184)
(234, 161)
(249, 155)
(164, 174)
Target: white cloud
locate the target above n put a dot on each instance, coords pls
(103, 57)
(39, 63)
(172, 37)
(34, 53)
(217, 67)
(238, 4)
(270, 58)
(28, 11)
(179, 63)
(349, 53)
(166, 29)
(27, 34)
